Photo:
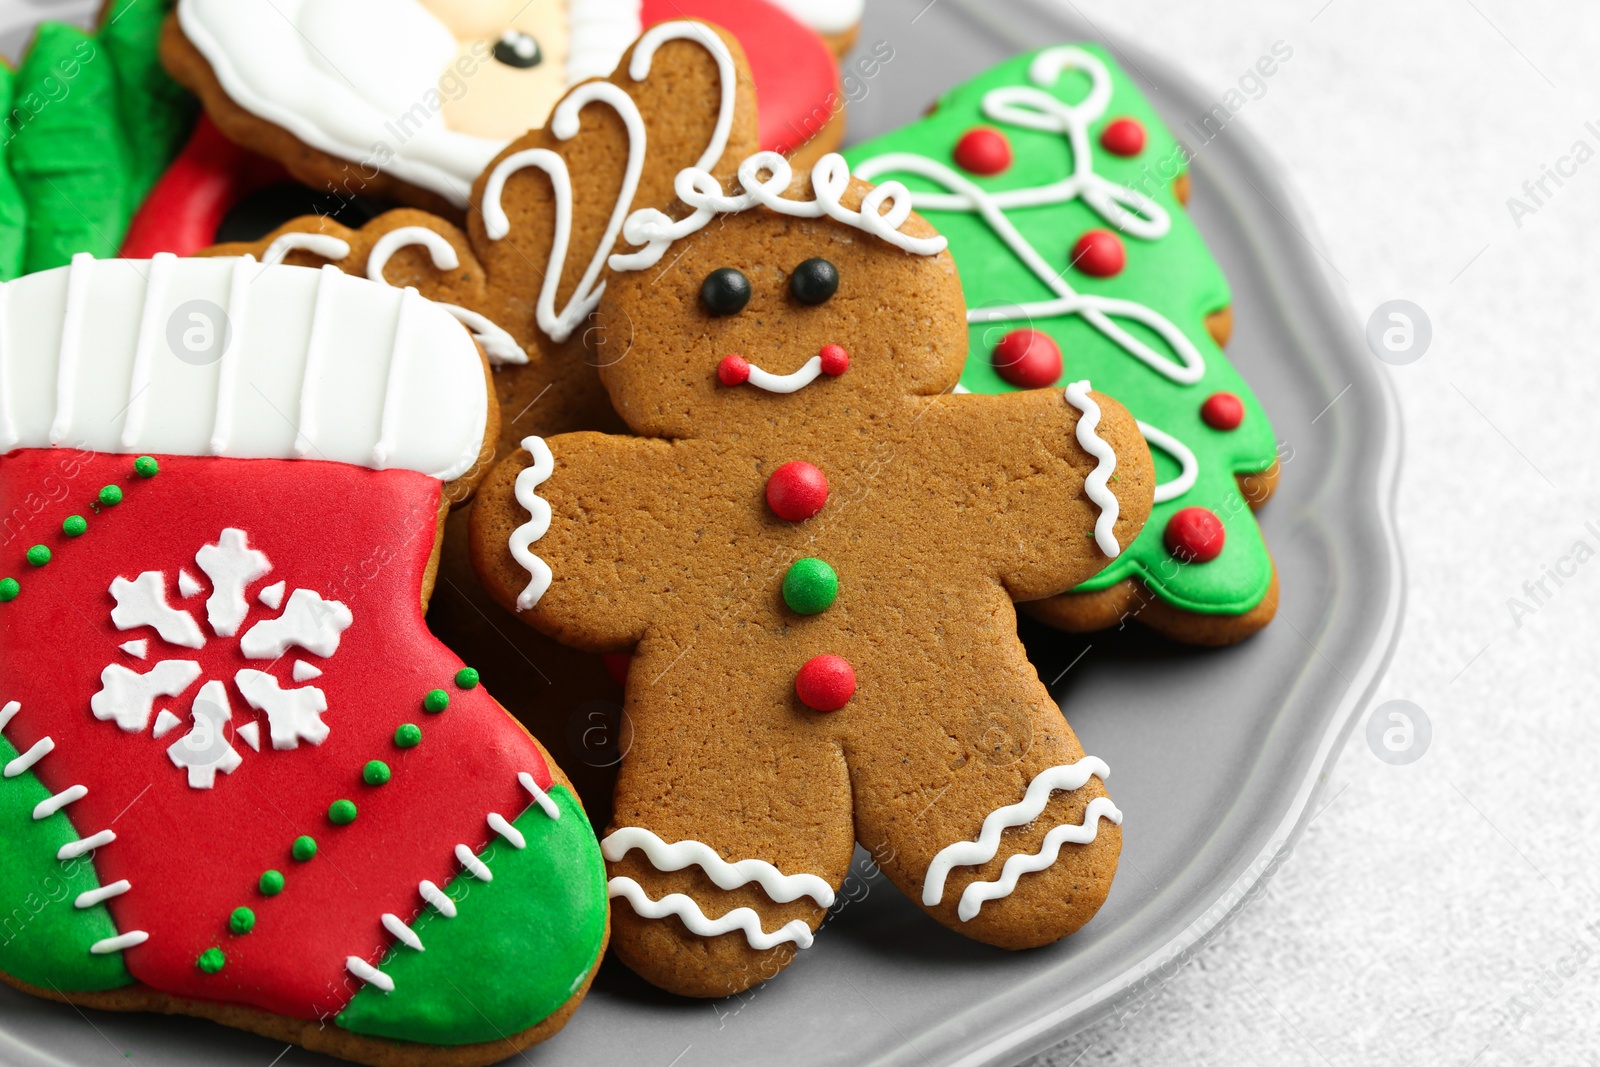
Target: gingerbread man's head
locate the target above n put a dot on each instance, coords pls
(821, 289)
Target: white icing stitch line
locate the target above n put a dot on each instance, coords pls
(368, 973)
(89, 898)
(499, 825)
(52, 804)
(441, 902)
(1096, 485)
(976, 893)
(539, 795)
(71, 342)
(74, 849)
(743, 920)
(9, 712)
(781, 887)
(1065, 777)
(119, 943)
(41, 748)
(403, 933)
(538, 524)
(473, 865)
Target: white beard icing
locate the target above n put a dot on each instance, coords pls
(358, 79)
(825, 16)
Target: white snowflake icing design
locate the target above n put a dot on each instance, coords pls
(128, 697)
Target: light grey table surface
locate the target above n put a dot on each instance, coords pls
(1442, 912)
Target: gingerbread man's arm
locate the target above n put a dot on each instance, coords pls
(570, 533)
(1028, 482)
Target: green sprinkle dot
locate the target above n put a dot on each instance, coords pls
(111, 496)
(242, 921)
(74, 526)
(271, 883)
(211, 960)
(376, 772)
(39, 555)
(811, 586)
(9, 589)
(146, 467)
(436, 701)
(342, 812)
(304, 848)
(409, 735)
(467, 678)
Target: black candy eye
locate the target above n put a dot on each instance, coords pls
(518, 49)
(725, 291)
(814, 281)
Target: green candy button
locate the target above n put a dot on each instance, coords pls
(811, 586)
(304, 848)
(342, 812)
(211, 960)
(242, 921)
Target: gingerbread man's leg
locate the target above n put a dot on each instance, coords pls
(974, 795)
(732, 830)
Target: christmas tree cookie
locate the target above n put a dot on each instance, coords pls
(240, 779)
(1061, 192)
(813, 549)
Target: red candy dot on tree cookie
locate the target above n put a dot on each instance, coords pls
(835, 360)
(1028, 359)
(825, 683)
(733, 370)
(1100, 253)
(796, 491)
(1222, 411)
(1195, 535)
(983, 150)
(1123, 137)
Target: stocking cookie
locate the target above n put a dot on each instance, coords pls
(814, 549)
(410, 100)
(546, 342)
(241, 779)
(1059, 189)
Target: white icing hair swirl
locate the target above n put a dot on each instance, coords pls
(830, 177)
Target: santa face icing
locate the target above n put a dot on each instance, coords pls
(262, 782)
(429, 90)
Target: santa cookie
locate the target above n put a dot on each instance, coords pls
(1060, 191)
(241, 780)
(813, 549)
(838, 21)
(410, 100)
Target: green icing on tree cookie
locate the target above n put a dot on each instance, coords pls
(517, 949)
(1172, 274)
(91, 121)
(44, 939)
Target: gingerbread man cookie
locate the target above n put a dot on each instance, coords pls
(241, 780)
(1061, 193)
(814, 549)
(410, 100)
(525, 277)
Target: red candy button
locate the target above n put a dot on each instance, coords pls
(1123, 137)
(1028, 359)
(733, 370)
(796, 491)
(1100, 253)
(983, 150)
(826, 683)
(1195, 535)
(835, 360)
(1222, 411)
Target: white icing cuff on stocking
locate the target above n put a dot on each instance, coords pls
(230, 357)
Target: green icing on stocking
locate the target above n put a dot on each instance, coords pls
(517, 949)
(1172, 275)
(44, 939)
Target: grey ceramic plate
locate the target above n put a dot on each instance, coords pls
(1218, 756)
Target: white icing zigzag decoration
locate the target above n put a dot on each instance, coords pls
(1127, 209)
(1065, 777)
(1188, 465)
(743, 920)
(1096, 486)
(538, 524)
(830, 177)
(781, 887)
